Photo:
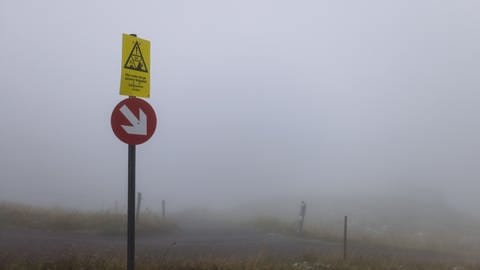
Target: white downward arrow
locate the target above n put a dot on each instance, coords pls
(138, 126)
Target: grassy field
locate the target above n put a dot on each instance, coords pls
(109, 222)
(443, 241)
(14, 215)
(212, 263)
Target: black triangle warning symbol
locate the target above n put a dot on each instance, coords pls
(135, 60)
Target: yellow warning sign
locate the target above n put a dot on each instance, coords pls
(135, 79)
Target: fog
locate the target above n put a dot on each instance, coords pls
(255, 100)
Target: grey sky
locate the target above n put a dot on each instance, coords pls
(254, 99)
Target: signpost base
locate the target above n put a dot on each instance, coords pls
(131, 208)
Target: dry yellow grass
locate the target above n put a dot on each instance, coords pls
(14, 215)
(259, 262)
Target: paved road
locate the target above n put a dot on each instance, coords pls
(193, 239)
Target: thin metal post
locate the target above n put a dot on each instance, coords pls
(139, 203)
(163, 208)
(345, 239)
(131, 208)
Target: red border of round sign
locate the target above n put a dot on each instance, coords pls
(118, 119)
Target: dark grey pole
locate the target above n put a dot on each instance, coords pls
(131, 205)
(131, 209)
(345, 239)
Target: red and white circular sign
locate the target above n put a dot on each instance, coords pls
(133, 121)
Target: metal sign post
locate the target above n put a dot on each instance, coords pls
(131, 208)
(133, 119)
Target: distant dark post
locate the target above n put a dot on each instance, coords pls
(139, 203)
(301, 217)
(163, 208)
(345, 239)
